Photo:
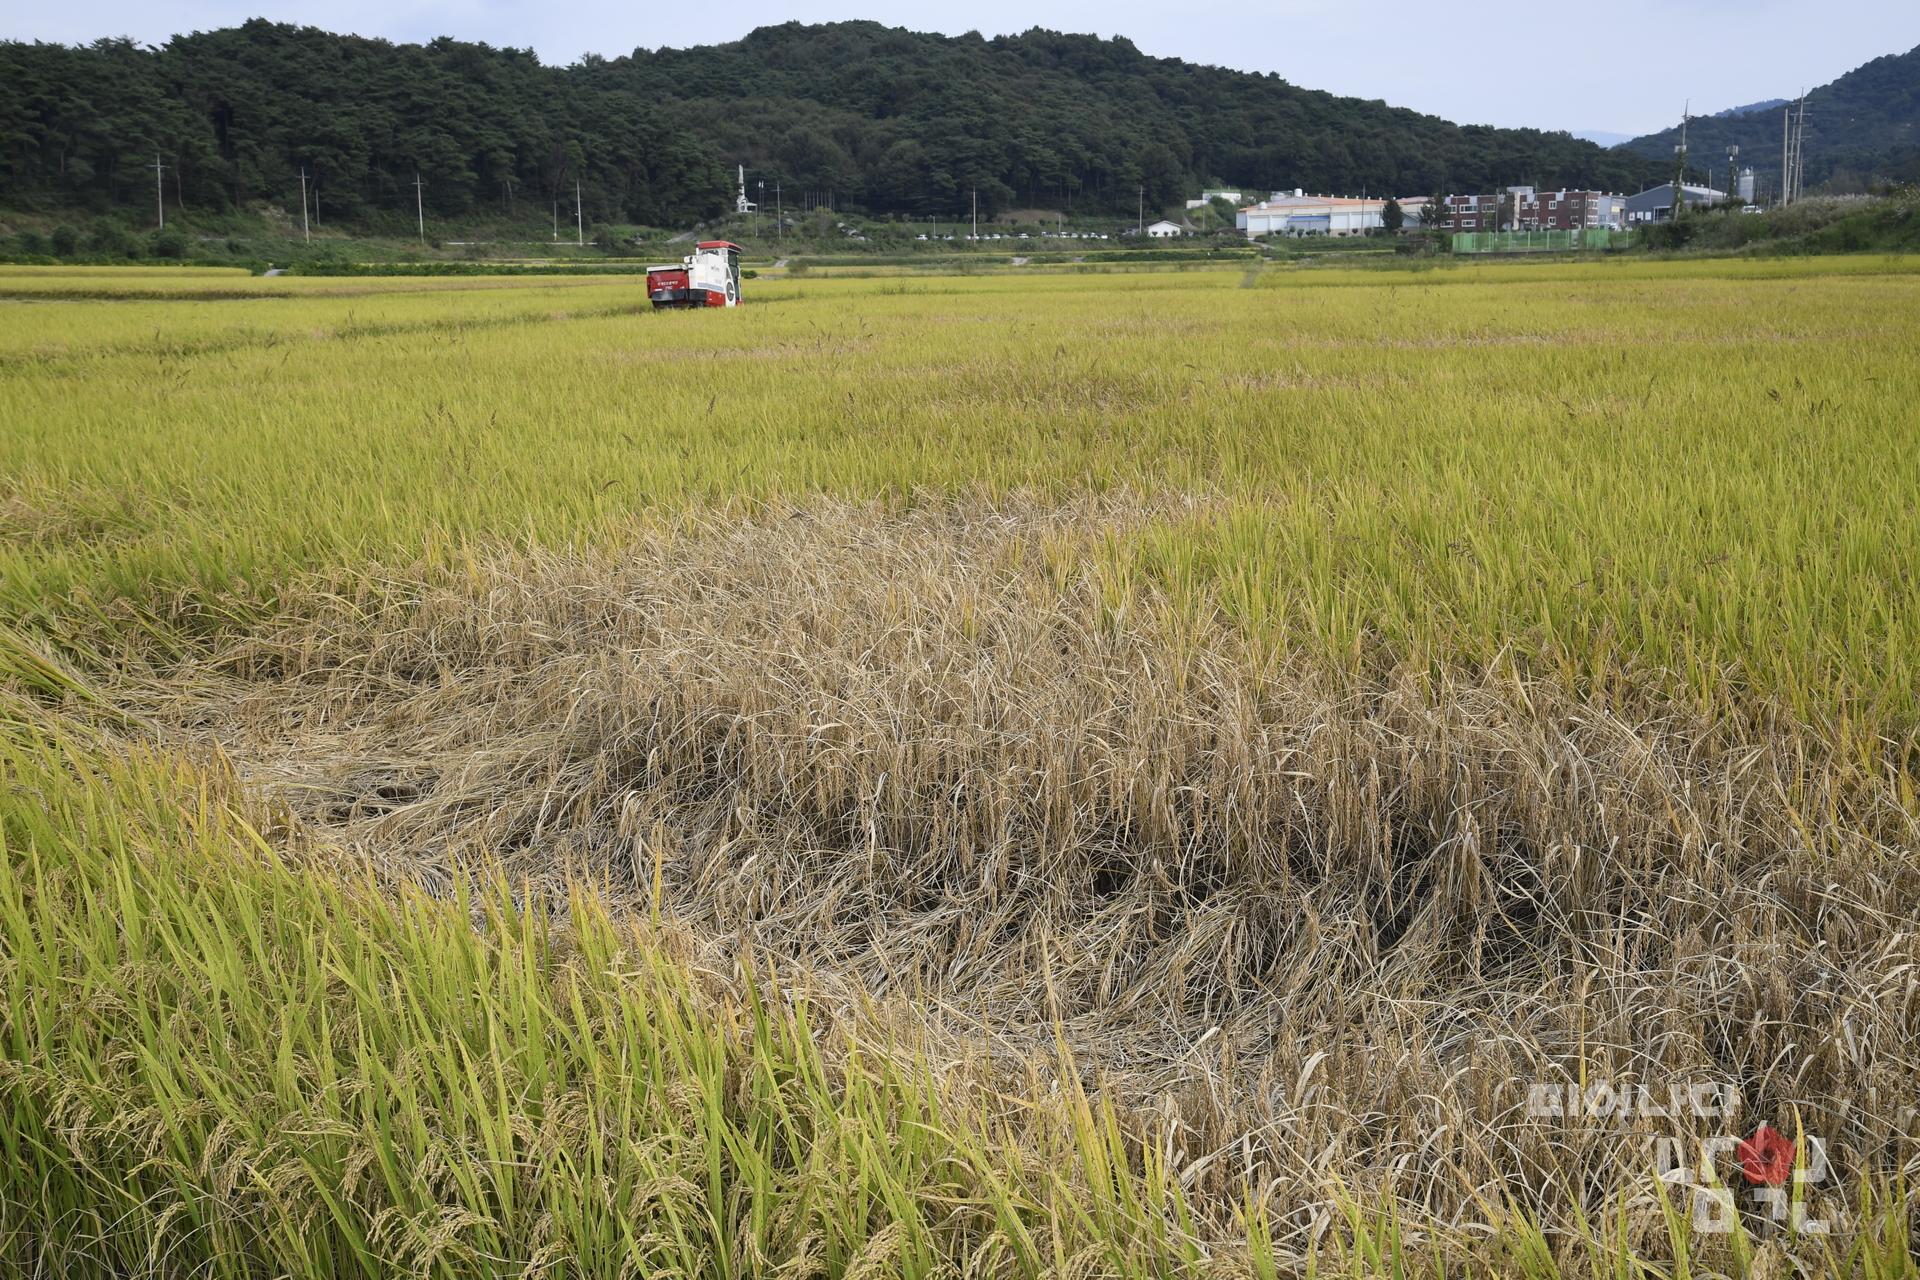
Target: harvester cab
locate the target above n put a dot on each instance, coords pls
(708, 277)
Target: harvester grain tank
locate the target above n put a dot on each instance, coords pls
(707, 277)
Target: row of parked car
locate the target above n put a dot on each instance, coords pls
(1021, 235)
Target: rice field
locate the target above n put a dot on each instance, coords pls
(1212, 772)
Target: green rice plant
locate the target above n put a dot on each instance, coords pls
(1021, 774)
(307, 1071)
(1656, 466)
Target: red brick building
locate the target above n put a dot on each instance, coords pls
(1524, 209)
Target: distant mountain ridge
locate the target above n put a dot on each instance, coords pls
(1862, 128)
(1770, 104)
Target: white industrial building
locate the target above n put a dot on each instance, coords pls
(1414, 210)
(1294, 213)
(1163, 230)
(1210, 195)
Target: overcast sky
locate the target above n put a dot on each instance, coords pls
(1625, 66)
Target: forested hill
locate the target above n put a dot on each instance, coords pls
(879, 119)
(1861, 129)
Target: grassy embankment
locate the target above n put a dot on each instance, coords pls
(1821, 225)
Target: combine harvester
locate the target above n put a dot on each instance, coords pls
(709, 277)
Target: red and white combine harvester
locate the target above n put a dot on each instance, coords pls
(709, 277)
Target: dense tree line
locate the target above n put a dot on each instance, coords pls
(1862, 129)
(236, 114)
(868, 117)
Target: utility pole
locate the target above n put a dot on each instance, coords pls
(419, 207)
(1800, 148)
(306, 233)
(1680, 163)
(1141, 229)
(976, 215)
(779, 214)
(159, 191)
(579, 222)
(1786, 135)
(556, 219)
(1792, 129)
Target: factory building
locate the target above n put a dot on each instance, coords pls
(1655, 204)
(1298, 214)
(1525, 209)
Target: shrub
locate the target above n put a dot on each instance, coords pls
(111, 240)
(1673, 234)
